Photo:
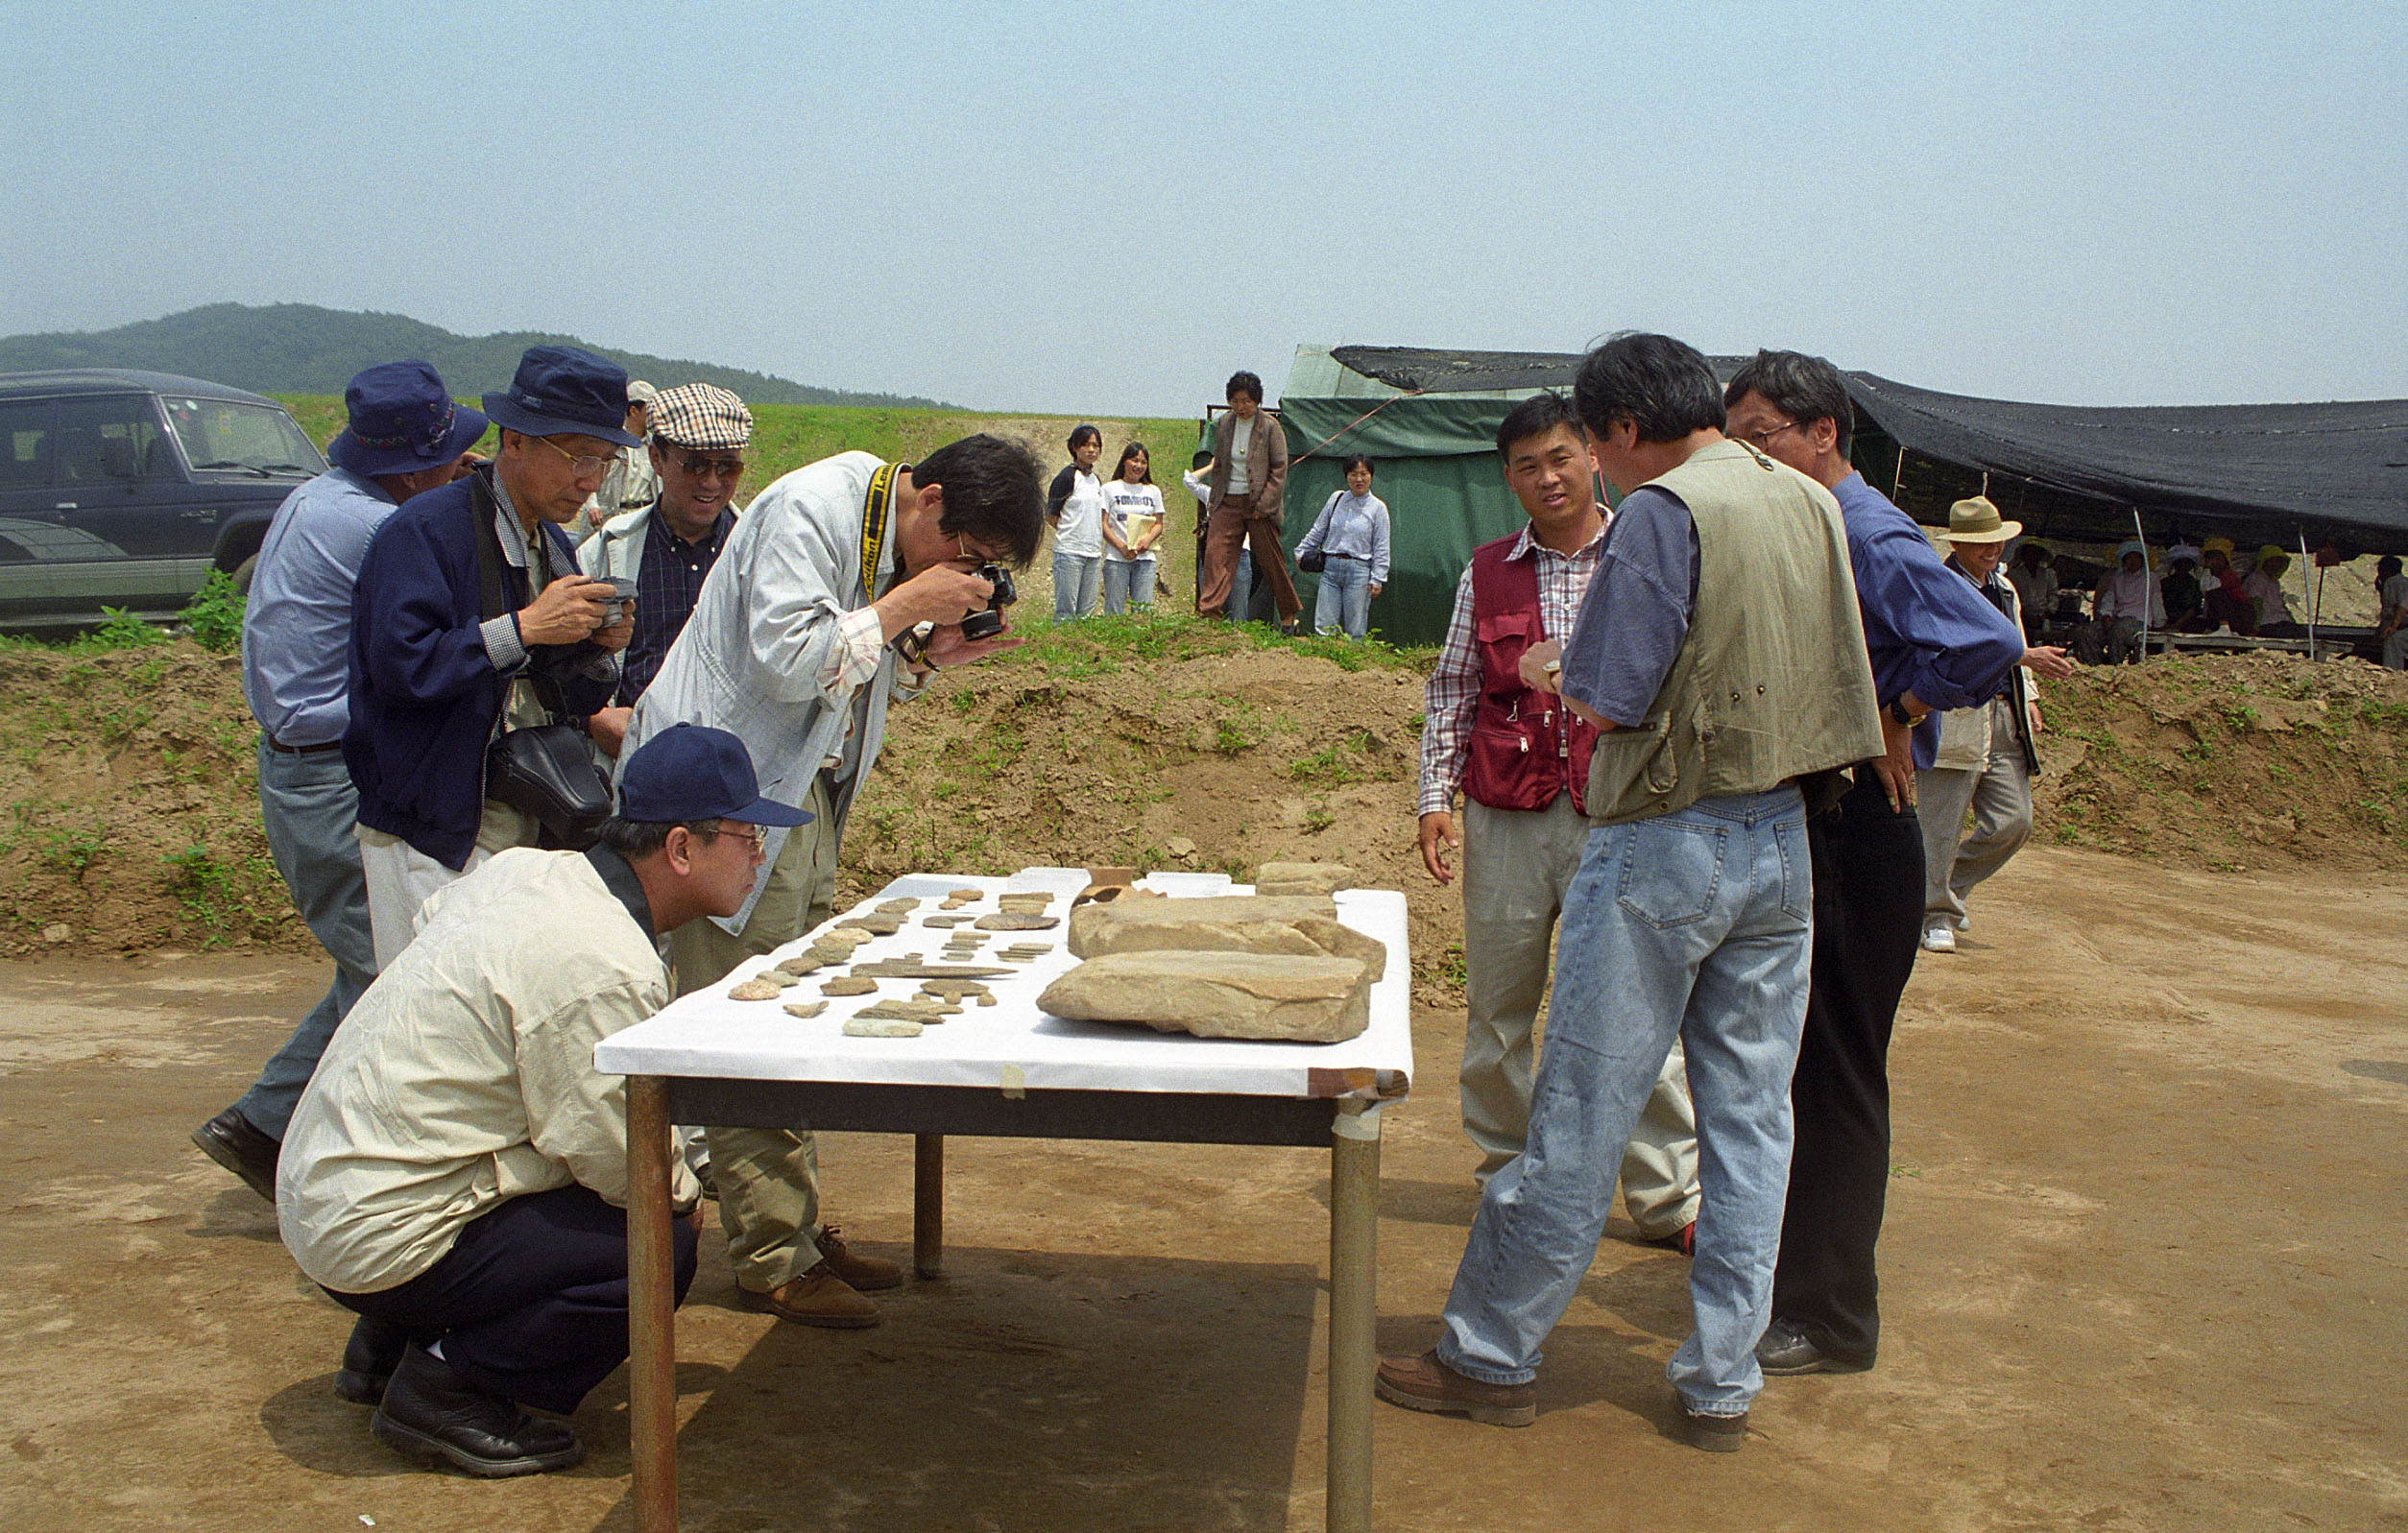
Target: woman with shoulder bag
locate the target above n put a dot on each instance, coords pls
(1348, 548)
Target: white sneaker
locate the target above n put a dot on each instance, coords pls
(1965, 922)
(1939, 939)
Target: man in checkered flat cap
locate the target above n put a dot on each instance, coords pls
(699, 433)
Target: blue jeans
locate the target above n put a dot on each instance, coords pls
(1693, 925)
(309, 806)
(1127, 582)
(1344, 599)
(1075, 580)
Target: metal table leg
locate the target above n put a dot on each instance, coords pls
(1354, 1308)
(651, 1307)
(927, 1205)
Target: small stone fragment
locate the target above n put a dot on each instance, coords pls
(914, 1009)
(913, 968)
(1024, 901)
(897, 907)
(880, 1027)
(1303, 877)
(942, 921)
(800, 964)
(986, 999)
(873, 924)
(1016, 921)
(806, 1007)
(953, 904)
(953, 990)
(967, 895)
(757, 990)
(848, 985)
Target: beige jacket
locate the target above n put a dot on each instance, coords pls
(464, 1075)
(1267, 464)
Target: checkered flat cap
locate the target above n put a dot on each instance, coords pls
(700, 414)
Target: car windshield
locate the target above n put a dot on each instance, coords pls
(225, 436)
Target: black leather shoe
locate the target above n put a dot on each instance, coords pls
(369, 1360)
(430, 1412)
(229, 1139)
(1716, 1434)
(1786, 1351)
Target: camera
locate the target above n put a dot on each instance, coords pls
(989, 622)
(614, 604)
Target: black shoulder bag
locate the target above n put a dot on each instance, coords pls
(544, 769)
(1312, 564)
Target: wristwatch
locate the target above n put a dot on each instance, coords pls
(1899, 711)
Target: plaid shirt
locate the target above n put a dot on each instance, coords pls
(672, 580)
(1452, 699)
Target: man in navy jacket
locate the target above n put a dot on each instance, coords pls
(469, 596)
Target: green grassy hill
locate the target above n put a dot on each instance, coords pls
(299, 347)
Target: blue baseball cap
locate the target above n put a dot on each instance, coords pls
(693, 771)
(562, 391)
(400, 421)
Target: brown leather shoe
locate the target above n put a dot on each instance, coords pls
(1425, 1384)
(817, 1298)
(868, 1274)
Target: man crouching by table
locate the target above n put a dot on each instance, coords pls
(456, 1173)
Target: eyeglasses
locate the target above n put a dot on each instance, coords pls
(586, 466)
(711, 468)
(976, 556)
(750, 834)
(1764, 439)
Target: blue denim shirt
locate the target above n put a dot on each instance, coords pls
(1635, 616)
(1927, 630)
(297, 627)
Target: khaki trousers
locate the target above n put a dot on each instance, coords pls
(1232, 523)
(2000, 798)
(1517, 866)
(767, 1179)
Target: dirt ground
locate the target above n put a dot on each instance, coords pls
(2143, 1270)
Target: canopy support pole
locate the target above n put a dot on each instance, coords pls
(2304, 568)
(2148, 583)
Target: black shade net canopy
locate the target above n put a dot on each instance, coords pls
(2258, 474)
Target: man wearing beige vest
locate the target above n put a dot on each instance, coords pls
(1718, 652)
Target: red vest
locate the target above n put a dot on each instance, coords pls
(1525, 746)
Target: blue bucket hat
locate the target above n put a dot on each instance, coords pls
(693, 771)
(562, 391)
(401, 421)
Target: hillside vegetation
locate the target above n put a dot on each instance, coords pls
(301, 348)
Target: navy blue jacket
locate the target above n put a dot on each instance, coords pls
(424, 695)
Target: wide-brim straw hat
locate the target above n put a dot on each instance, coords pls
(1978, 521)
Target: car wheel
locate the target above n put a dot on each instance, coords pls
(243, 573)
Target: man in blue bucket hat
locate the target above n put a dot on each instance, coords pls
(404, 437)
(471, 617)
(458, 1169)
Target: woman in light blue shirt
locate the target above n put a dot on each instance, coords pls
(1352, 537)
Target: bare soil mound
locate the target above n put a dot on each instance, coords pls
(133, 820)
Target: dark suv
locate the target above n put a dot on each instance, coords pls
(123, 489)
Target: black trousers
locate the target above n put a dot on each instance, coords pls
(530, 1301)
(1868, 916)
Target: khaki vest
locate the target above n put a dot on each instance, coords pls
(1772, 681)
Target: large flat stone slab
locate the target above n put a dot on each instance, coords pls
(1304, 926)
(1303, 877)
(1317, 999)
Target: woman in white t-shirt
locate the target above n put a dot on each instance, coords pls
(1074, 509)
(1132, 524)
(2264, 586)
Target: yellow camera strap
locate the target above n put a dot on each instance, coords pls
(874, 525)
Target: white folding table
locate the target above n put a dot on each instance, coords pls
(1008, 1071)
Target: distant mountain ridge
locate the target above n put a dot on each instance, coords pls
(301, 348)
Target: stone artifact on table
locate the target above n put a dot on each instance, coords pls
(865, 1027)
(801, 964)
(967, 895)
(897, 907)
(912, 1008)
(956, 991)
(1304, 926)
(1291, 998)
(1303, 877)
(755, 990)
(1018, 920)
(806, 1007)
(942, 921)
(848, 985)
(913, 968)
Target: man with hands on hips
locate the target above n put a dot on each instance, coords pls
(839, 592)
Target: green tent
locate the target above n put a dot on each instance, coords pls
(1435, 452)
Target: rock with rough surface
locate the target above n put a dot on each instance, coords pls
(880, 1027)
(1319, 999)
(806, 1007)
(1016, 921)
(755, 990)
(848, 985)
(1303, 877)
(1305, 925)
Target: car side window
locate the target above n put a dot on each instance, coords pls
(113, 436)
(25, 435)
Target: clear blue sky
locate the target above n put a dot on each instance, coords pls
(1075, 207)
